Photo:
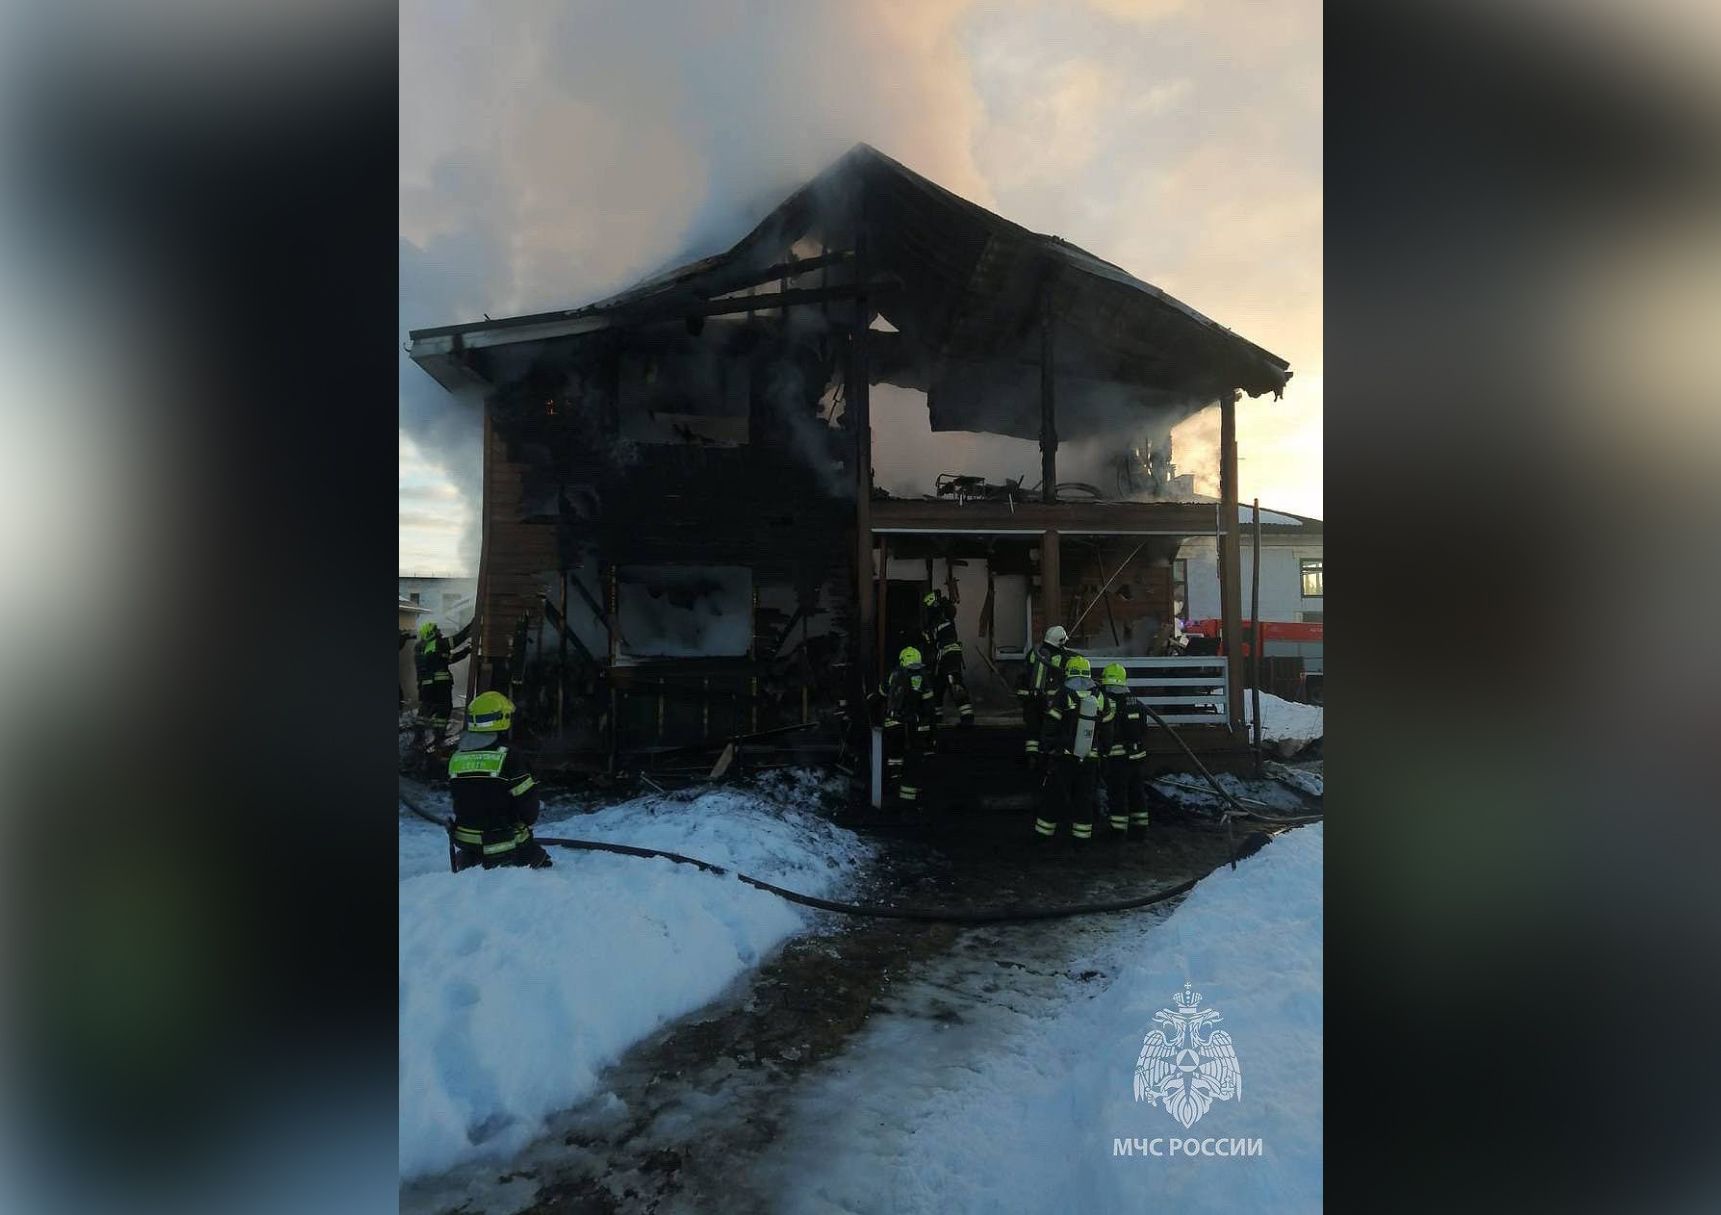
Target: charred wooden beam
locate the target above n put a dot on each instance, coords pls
(859, 292)
(784, 270)
(857, 403)
(1051, 590)
(1048, 410)
(566, 635)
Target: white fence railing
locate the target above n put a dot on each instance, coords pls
(1184, 691)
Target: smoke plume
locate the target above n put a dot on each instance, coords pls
(554, 153)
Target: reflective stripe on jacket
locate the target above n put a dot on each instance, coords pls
(494, 793)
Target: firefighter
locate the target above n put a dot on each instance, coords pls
(1039, 682)
(1075, 732)
(908, 710)
(1125, 762)
(495, 797)
(433, 656)
(938, 632)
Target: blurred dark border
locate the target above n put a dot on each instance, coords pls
(1521, 919)
(203, 862)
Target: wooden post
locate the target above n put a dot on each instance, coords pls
(1051, 590)
(858, 406)
(1048, 407)
(1255, 632)
(1230, 560)
(475, 648)
(883, 604)
(562, 666)
(615, 697)
(538, 641)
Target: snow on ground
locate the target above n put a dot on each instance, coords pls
(1192, 792)
(518, 986)
(1020, 1104)
(1288, 723)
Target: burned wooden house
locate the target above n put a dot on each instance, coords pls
(682, 541)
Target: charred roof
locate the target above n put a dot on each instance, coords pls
(966, 290)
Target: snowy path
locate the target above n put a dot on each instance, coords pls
(518, 987)
(1019, 1100)
(723, 1109)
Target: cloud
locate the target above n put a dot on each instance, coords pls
(1145, 12)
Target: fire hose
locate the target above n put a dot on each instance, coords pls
(1013, 914)
(1238, 809)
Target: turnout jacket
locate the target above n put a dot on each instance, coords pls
(1129, 727)
(494, 793)
(1044, 671)
(1078, 721)
(940, 636)
(908, 698)
(433, 657)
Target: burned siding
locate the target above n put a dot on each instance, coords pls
(690, 483)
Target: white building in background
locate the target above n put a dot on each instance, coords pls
(447, 600)
(1292, 579)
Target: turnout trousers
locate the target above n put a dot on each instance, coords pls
(905, 745)
(1067, 796)
(1126, 793)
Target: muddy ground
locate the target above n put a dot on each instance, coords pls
(686, 1110)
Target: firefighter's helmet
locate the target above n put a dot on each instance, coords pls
(928, 599)
(489, 713)
(1075, 665)
(1114, 676)
(426, 630)
(1056, 635)
(910, 657)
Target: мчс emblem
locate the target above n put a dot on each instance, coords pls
(1183, 1068)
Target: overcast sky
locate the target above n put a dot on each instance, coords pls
(554, 152)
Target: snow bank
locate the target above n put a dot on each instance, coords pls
(517, 987)
(1287, 723)
(1027, 1117)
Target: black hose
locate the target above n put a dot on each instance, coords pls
(1239, 810)
(923, 915)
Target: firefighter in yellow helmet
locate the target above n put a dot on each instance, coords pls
(1075, 733)
(939, 639)
(495, 795)
(432, 657)
(908, 709)
(1125, 761)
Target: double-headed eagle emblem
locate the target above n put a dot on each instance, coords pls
(1183, 1068)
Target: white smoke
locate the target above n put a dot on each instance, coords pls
(552, 153)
